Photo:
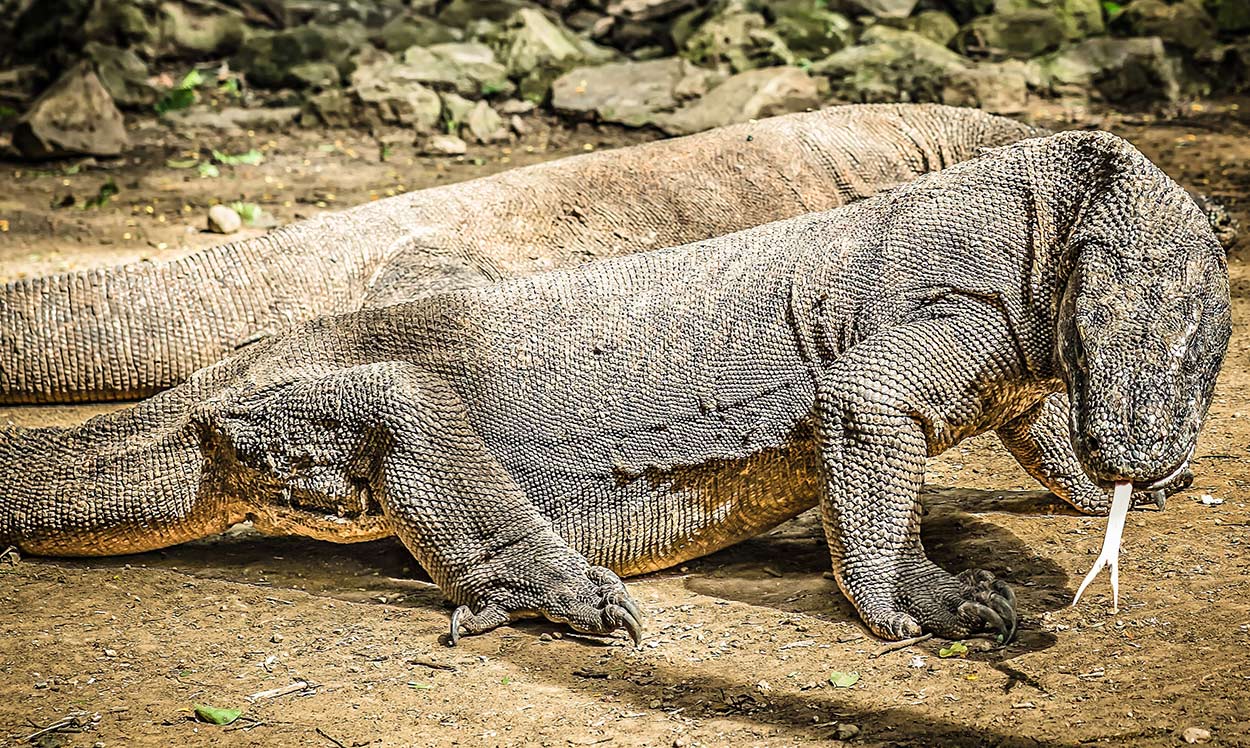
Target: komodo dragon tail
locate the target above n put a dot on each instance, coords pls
(122, 482)
(128, 332)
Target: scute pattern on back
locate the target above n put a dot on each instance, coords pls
(530, 440)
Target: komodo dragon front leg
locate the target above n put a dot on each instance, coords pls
(402, 436)
(1040, 440)
(895, 398)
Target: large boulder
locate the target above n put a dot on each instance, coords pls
(1079, 18)
(809, 29)
(461, 13)
(996, 87)
(406, 31)
(737, 39)
(1231, 16)
(890, 65)
(935, 25)
(469, 68)
(1114, 69)
(48, 30)
(893, 9)
(485, 125)
(536, 51)
(763, 92)
(268, 57)
(1185, 24)
(75, 115)
(1020, 34)
(395, 96)
(122, 23)
(122, 74)
(630, 93)
(189, 32)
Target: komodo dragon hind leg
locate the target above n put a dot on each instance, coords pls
(405, 434)
(881, 408)
(1041, 442)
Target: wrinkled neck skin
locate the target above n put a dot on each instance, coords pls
(1140, 314)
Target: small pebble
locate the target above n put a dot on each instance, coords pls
(1196, 735)
(846, 730)
(223, 220)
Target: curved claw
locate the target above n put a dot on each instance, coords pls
(631, 620)
(456, 617)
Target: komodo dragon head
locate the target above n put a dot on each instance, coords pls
(1143, 323)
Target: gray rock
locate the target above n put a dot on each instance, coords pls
(222, 219)
(935, 25)
(887, 8)
(1079, 18)
(485, 125)
(1184, 24)
(468, 68)
(268, 57)
(738, 40)
(517, 106)
(443, 145)
(1231, 16)
(890, 65)
(396, 97)
(462, 13)
(1115, 69)
(648, 10)
(122, 74)
(316, 75)
(756, 93)
(1020, 34)
(456, 110)
(809, 29)
(536, 51)
(332, 107)
(233, 119)
(999, 88)
(406, 31)
(120, 23)
(75, 115)
(190, 32)
(630, 93)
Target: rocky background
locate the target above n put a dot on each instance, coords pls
(438, 73)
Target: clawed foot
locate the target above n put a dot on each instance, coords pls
(596, 602)
(975, 602)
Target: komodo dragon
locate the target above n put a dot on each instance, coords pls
(130, 332)
(530, 440)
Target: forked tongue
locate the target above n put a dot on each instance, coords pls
(1110, 555)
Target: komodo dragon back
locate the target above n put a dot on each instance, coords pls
(126, 332)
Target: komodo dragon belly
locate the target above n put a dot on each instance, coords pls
(641, 523)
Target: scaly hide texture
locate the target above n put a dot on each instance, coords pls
(132, 331)
(530, 440)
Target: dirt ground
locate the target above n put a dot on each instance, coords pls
(741, 645)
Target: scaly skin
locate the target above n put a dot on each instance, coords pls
(130, 332)
(530, 440)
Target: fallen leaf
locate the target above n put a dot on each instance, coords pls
(956, 649)
(216, 715)
(840, 679)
